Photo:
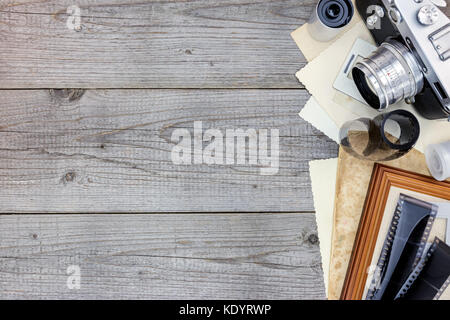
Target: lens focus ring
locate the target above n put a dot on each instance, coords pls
(388, 76)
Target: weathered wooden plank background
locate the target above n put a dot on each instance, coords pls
(166, 256)
(151, 44)
(110, 151)
(146, 68)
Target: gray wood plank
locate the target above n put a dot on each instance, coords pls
(161, 256)
(151, 44)
(110, 151)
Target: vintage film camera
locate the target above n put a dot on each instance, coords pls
(412, 61)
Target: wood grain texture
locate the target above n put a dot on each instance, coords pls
(110, 151)
(76, 151)
(193, 256)
(151, 44)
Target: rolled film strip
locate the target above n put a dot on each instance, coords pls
(431, 276)
(403, 246)
(385, 137)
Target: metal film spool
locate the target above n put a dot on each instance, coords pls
(329, 17)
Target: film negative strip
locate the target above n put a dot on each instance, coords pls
(430, 277)
(442, 289)
(403, 246)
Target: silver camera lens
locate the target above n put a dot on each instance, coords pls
(389, 75)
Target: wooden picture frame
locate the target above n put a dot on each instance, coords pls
(383, 178)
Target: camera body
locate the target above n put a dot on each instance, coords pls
(412, 62)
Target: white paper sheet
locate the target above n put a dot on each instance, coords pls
(319, 119)
(323, 182)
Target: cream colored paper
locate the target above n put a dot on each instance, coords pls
(319, 75)
(312, 112)
(319, 118)
(323, 182)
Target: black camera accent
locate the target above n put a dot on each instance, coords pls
(387, 30)
(361, 83)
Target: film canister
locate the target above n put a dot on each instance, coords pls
(329, 17)
(438, 160)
